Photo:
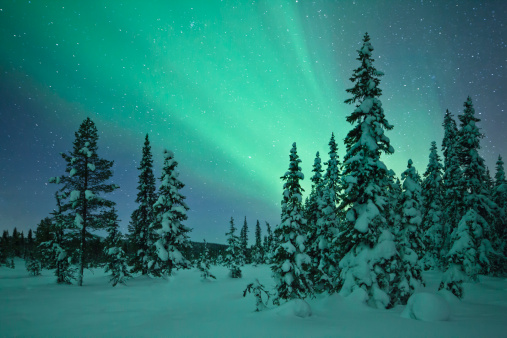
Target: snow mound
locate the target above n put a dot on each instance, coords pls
(427, 307)
(295, 307)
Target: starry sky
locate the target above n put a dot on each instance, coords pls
(228, 86)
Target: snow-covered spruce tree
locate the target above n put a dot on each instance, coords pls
(312, 214)
(332, 175)
(462, 258)
(243, 243)
(394, 192)
(476, 196)
(32, 256)
(323, 248)
(83, 185)
(311, 210)
(234, 254)
(142, 217)
(290, 261)
(258, 250)
(500, 198)
(367, 243)
(169, 235)
(432, 223)
(116, 258)
(56, 248)
(452, 190)
(268, 244)
(311, 207)
(409, 237)
(471, 247)
(203, 263)
(15, 241)
(4, 251)
(44, 233)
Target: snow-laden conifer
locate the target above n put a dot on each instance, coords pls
(170, 235)
(54, 244)
(471, 245)
(410, 244)
(367, 243)
(332, 176)
(257, 249)
(394, 192)
(500, 198)
(243, 243)
(290, 261)
(312, 213)
(323, 250)
(432, 223)
(452, 191)
(234, 255)
(268, 244)
(84, 184)
(203, 263)
(142, 217)
(311, 210)
(476, 195)
(116, 259)
(463, 257)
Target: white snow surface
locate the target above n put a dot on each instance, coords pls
(185, 306)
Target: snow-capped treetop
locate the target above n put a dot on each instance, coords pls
(364, 175)
(474, 170)
(411, 178)
(365, 76)
(434, 169)
(500, 172)
(449, 140)
(332, 175)
(317, 170)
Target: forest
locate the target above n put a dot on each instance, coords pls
(361, 231)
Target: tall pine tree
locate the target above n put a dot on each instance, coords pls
(234, 253)
(471, 244)
(83, 186)
(452, 190)
(290, 261)
(116, 257)
(142, 217)
(367, 242)
(243, 242)
(432, 223)
(500, 198)
(258, 250)
(323, 248)
(170, 236)
(268, 244)
(410, 245)
(473, 181)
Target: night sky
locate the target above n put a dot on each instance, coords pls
(228, 86)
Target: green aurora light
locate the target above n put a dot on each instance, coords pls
(227, 85)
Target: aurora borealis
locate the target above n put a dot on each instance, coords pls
(228, 86)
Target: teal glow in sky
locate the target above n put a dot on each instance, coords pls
(228, 86)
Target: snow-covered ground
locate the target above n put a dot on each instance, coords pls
(186, 306)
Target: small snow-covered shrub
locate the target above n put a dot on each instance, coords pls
(257, 289)
(295, 307)
(427, 307)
